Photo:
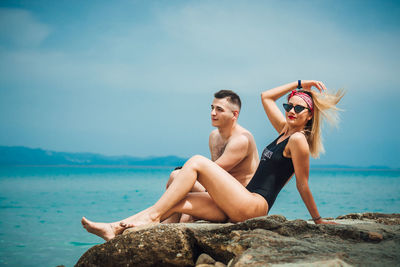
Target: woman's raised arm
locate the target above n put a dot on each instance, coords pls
(268, 99)
(270, 96)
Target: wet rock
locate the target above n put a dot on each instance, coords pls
(370, 239)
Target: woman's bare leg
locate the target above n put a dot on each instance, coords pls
(196, 188)
(228, 194)
(178, 217)
(176, 191)
(199, 205)
(106, 231)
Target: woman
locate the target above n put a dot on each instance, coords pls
(226, 198)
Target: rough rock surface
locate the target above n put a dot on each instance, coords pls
(367, 239)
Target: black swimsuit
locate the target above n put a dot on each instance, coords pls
(272, 173)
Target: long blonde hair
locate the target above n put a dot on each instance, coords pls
(324, 108)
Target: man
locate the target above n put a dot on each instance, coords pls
(232, 147)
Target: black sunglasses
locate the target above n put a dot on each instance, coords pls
(298, 108)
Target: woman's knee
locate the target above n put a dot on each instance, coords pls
(172, 177)
(197, 161)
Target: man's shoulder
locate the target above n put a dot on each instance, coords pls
(242, 137)
(214, 133)
(243, 133)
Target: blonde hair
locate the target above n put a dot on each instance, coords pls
(324, 108)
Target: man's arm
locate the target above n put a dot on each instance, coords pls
(235, 151)
(210, 144)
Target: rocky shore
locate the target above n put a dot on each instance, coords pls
(362, 239)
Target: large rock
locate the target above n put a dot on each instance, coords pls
(369, 239)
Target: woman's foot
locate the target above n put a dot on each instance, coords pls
(107, 231)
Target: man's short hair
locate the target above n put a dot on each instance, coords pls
(231, 96)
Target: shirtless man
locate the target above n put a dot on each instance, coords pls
(232, 147)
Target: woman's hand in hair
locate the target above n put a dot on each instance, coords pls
(308, 84)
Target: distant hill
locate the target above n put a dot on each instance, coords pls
(17, 155)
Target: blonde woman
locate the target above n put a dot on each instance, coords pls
(299, 136)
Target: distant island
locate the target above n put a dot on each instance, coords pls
(19, 155)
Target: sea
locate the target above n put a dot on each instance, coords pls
(41, 207)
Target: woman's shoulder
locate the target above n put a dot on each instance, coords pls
(298, 139)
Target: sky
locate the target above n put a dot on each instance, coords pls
(137, 77)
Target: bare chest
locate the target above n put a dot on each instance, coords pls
(218, 149)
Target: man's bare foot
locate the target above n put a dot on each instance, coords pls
(104, 230)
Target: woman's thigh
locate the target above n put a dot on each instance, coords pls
(227, 193)
(201, 206)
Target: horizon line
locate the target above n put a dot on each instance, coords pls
(334, 166)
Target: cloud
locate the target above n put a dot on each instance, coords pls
(205, 46)
(98, 81)
(251, 44)
(19, 28)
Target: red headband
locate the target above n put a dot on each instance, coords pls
(303, 96)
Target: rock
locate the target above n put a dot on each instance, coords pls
(325, 263)
(375, 236)
(162, 245)
(388, 219)
(204, 259)
(370, 239)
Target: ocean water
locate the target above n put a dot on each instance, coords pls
(41, 207)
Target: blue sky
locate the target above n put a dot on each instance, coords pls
(137, 77)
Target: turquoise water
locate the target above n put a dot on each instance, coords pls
(41, 207)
